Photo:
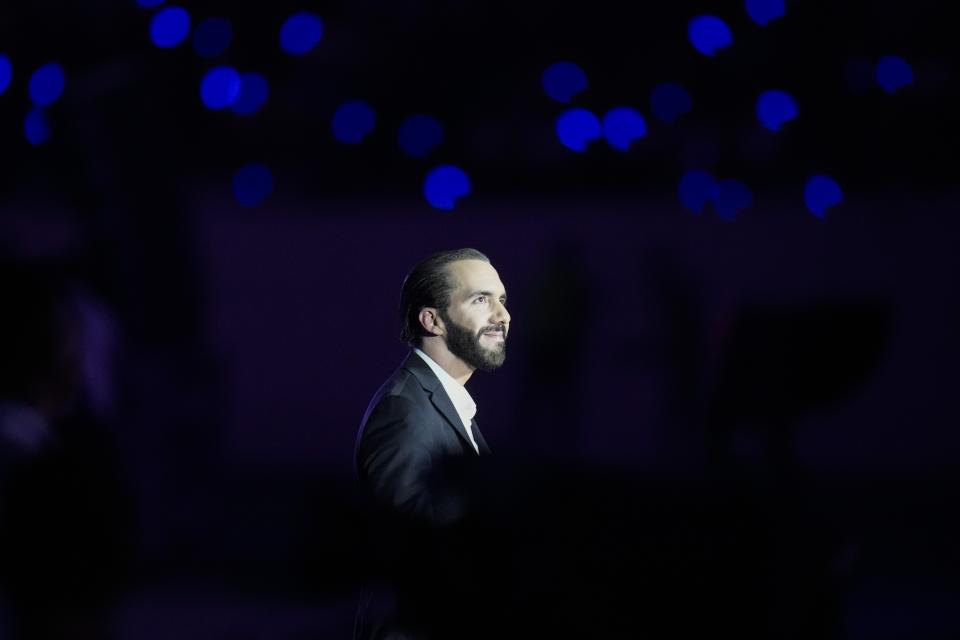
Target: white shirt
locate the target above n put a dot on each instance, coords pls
(462, 402)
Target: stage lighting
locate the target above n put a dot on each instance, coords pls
(254, 91)
(669, 101)
(353, 121)
(6, 73)
(709, 34)
(696, 189)
(577, 128)
(444, 185)
(765, 11)
(252, 184)
(419, 134)
(821, 193)
(622, 126)
(732, 196)
(46, 84)
(563, 80)
(35, 127)
(893, 73)
(169, 27)
(220, 87)
(300, 33)
(775, 108)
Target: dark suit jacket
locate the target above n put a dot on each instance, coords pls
(411, 444)
(409, 432)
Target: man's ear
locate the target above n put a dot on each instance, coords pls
(430, 321)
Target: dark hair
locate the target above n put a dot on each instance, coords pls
(428, 285)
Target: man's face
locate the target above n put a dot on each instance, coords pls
(477, 321)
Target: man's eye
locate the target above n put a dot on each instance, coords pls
(480, 299)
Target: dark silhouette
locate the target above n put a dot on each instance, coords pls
(65, 517)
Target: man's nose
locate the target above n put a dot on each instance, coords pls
(500, 314)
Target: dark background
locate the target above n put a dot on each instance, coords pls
(804, 366)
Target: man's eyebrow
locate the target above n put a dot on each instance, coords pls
(486, 293)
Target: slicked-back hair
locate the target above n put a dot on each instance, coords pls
(429, 285)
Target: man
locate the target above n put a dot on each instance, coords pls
(454, 318)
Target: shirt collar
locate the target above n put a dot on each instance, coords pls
(462, 401)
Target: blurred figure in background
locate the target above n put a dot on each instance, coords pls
(65, 534)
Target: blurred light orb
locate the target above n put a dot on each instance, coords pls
(169, 27)
(46, 84)
(6, 73)
(150, 4)
(709, 34)
(669, 101)
(696, 189)
(622, 126)
(35, 127)
(212, 37)
(893, 73)
(775, 108)
(764, 12)
(731, 197)
(353, 121)
(220, 87)
(300, 33)
(252, 184)
(419, 134)
(444, 185)
(254, 91)
(821, 193)
(577, 128)
(563, 80)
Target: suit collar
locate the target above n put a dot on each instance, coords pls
(438, 396)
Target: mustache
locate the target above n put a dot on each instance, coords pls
(494, 329)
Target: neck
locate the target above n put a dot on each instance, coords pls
(437, 349)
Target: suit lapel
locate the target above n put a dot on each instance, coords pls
(438, 396)
(481, 442)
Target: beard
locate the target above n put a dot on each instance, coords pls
(467, 346)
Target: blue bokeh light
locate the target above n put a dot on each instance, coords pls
(353, 121)
(622, 126)
(252, 184)
(821, 193)
(419, 134)
(669, 101)
(696, 189)
(775, 108)
(220, 87)
(301, 32)
(212, 37)
(46, 84)
(577, 128)
(765, 11)
(563, 80)
(254, 91)
(709, 34)
(6, 73)
(35, 127)
(444, 185)
(150, 4)
(170, 27)
(893, 73)
(732, 196)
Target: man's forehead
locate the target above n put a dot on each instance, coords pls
(475, 275)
